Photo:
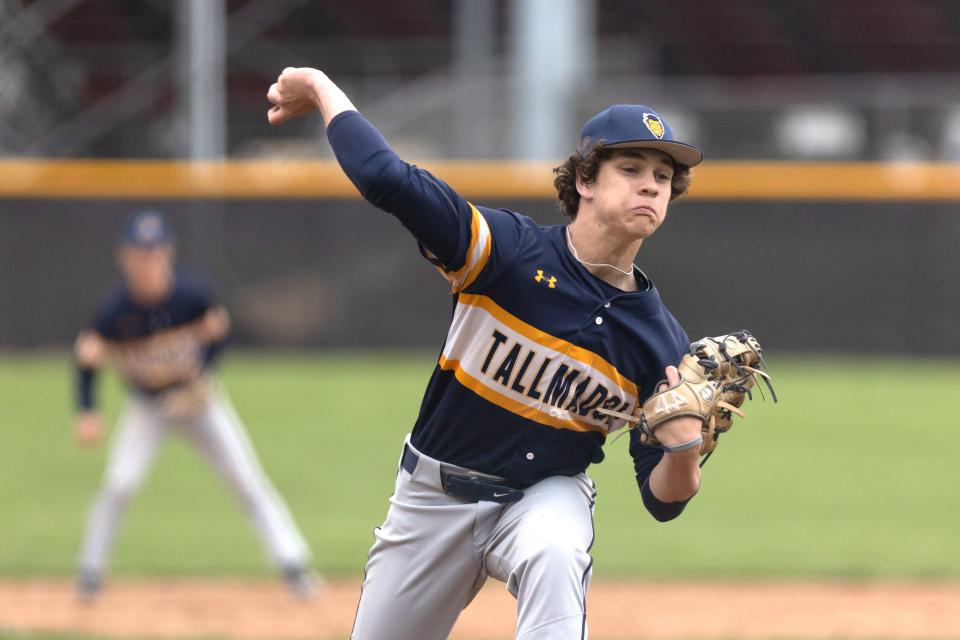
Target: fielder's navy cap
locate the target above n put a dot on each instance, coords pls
(625, 126)
(146, 229)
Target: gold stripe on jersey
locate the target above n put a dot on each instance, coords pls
(162, 358)
(583, 355)
(531, 373)
(519, 408)
(477, 254)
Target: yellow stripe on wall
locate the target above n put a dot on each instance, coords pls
(157, 179)
(720, 180)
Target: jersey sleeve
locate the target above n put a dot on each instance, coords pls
(456, 236)
(495, 239)
(471, 255)
(197, 294)
(107, 314)
(90, 351)
(645, 458)
(85, 396)
(200, 299)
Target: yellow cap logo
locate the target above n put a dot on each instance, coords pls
(654, 124)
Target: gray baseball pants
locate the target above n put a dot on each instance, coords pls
(435, 551)
(217, 432)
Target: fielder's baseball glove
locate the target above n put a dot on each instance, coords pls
(716, 377)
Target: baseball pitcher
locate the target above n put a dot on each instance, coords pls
(556, 340)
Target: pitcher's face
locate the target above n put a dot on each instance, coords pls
(631, 192)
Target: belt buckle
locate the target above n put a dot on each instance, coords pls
(468, 475)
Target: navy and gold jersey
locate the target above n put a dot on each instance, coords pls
(157, 347)
(536, 343)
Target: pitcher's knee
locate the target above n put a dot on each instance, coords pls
(557, 561)
(562, 554)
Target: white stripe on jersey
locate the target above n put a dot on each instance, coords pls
(477, 254)
(530, 373)
(161, 358)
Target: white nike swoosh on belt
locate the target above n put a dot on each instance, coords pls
(500, 495)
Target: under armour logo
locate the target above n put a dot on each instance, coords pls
(551, 280)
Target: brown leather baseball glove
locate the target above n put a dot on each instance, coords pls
(716, 377)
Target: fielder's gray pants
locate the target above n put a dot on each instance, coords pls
(435, 551)
(218, 434)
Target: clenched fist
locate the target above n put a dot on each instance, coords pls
(295, 93)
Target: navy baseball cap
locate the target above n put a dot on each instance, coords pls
(146, 229)
(625, 126)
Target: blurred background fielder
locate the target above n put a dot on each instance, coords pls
(164, 329)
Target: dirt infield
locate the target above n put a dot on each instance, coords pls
(617, 610)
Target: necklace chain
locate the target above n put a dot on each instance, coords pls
(573, 250)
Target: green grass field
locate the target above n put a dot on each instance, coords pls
(851, 475)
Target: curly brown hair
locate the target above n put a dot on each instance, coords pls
(586, 163)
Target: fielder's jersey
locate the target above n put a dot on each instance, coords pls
(157, 347)
(536, 343)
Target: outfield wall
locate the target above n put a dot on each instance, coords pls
(859, 265)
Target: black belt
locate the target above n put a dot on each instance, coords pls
(470, 487)
(156, 392)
